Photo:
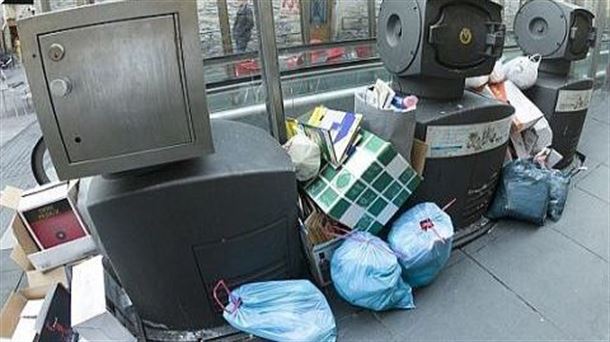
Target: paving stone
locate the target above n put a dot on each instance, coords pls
(597, 183)
(595, 141)
(590, 164)
(12, 126)
(498, 230)
(363, 326)
(586, 220)
(466, 303)
(340, 307)
(564, 282)
(599, 106)
(6, 263)
(9, 283)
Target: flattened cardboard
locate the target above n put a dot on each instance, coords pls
(22, 235)
(56, 275)
(419, 151)
(10, 197)
(91, 316)
(11, 311)
(63, 254)
(21, 259)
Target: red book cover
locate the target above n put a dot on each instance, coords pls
(54, 224)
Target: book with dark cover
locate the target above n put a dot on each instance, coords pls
(53, 322)
(54, 224)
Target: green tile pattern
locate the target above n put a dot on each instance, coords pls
(367, 190)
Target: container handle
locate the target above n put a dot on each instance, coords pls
(221, 285)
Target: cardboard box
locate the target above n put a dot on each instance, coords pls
(538, 137)
(93, 315)
(49, 258)
(37, 314)
(50, 215)
(419, 151)
(56, 275)
(519, 145)
(368, 189)
(526, 112)
(318, 251)
(319, 257)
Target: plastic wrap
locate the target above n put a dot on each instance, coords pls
(523, 71)
(305, 156)
(476, 82)
(422, 238)
(559, 183)
(366, 273)
(289, 310)
(497, 74)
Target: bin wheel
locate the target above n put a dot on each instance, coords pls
(37, 162)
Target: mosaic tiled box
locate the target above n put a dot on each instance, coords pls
(367, 190)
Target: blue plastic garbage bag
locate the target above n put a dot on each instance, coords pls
(530, 192)
(559, 183)
(422, 237)
(366, 273)
(289, 310)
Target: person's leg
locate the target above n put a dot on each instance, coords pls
(241, 45)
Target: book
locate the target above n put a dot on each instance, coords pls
(54, 224)
(335, 131)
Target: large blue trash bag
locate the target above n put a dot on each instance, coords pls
(288, 310)
(422, 237)
(366, 273)
(530, 192)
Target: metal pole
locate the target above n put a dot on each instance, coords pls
(305, 6)
(600, 23)
(372, 20)
(270, 71)
(45, 6)
(225, 30)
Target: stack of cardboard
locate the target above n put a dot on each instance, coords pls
(531, 135)
(52, 247)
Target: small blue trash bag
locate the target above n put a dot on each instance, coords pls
(422, 238)
(366, 273)
(288, 310)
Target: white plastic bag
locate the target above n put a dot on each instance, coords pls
(305, 155)
(523, 71)
(476, 82)
(497, 74)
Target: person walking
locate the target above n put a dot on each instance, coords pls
(242, 27)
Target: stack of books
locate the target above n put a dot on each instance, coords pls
(336, 133)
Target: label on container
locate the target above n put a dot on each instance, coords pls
(463, 140)
(573, 100)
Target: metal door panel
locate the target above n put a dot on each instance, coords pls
(117, 87)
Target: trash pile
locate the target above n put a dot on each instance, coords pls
(356, 171)
(530, 189)
(348, 201)
(70, 294)
(531, 136)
